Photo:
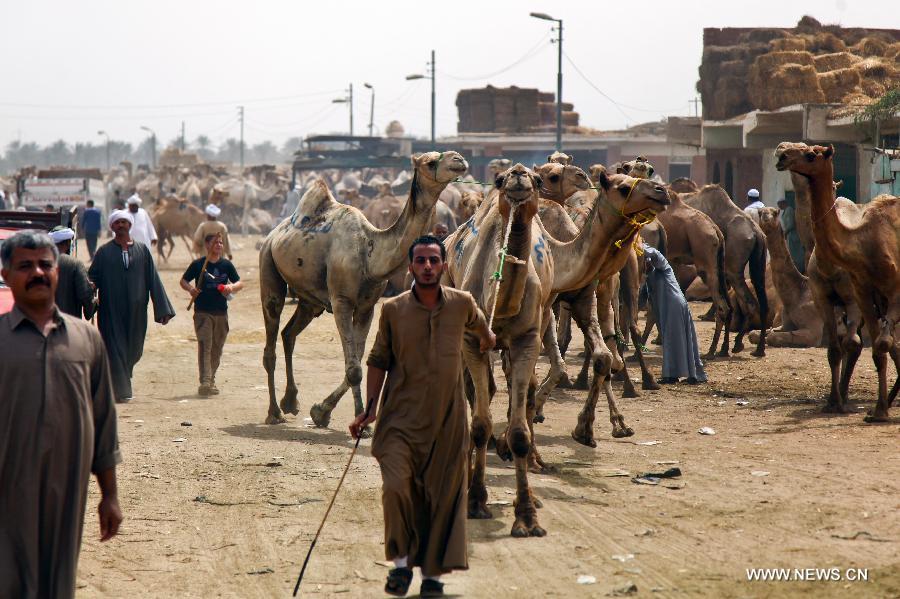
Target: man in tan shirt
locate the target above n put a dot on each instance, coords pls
(211, 227)
(57, 426)
(422, 434)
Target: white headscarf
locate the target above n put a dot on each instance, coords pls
(213, 210)
(61, 235)
(135, 199)
(119, 215)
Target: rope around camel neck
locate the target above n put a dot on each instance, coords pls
(498, 274)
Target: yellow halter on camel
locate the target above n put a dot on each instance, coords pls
(636, 225)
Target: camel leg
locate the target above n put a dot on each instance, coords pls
(523, 356)
(648, 382)
(564, 330)
(478, 365)
(880, 330)
(187, 245)
(557, 368)
(272, 290)
(851, 348)
(610, 337)
(343, 318)
(301, 318)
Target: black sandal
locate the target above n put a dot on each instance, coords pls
(398, 581)
(431, 588)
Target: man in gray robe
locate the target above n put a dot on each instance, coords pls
(74, 294)
(681, 356)
(57, 426)
(125, 277)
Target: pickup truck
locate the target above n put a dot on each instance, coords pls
(6, 298)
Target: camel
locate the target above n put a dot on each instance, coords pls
(802, 325)
(468, 204)
(173, 217)
(745, 245)
(693, 238)
(683, 185)
(335, 260)
(537, 268)
(865, 242)
(384, 210)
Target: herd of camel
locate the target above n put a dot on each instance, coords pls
(572, 240)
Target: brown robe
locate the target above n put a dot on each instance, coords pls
(57, 426)
(422, 435)
(210, 227)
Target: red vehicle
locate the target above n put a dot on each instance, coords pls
(6, 298)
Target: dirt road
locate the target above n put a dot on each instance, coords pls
(219, 504)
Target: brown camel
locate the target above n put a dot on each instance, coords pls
(538, 267)
(745, 245)
(683, 185)
(335, 260)
(605, 243)
(692, 238)
(801, 323)
(864, 241)
(175, 217)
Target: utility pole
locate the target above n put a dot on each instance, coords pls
(695, 102)
(559, 78)
(241, 116)
(182, 136)
(371, 108)
(430, 75)
(107, 147)
(152, 145)
(351, 110)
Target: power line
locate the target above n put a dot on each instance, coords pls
(531, 53)
(618, 105)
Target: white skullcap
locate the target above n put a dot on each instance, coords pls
(135, 199)
(63, 234)
(753, 193)
(119, 215)
(213, 210)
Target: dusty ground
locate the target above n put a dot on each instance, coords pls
(228, 505)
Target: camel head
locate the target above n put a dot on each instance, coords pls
(498, 165)
(638, 168)
(469, 203)
(561, 180)
(441, 167)
(801, 158)
(683, 185)
(768, 220)
(518, 188)
(596, 170)
(632, 196)
(559, 158)
(217, 196)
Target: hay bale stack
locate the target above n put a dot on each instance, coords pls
(824, 41)
(878, 69)
(872, 88)
(835, 60)
(788, 44)
(767, 63)
(870, 46)
(838, 83)
(893, 51)
(784, 85)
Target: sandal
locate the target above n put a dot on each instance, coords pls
(667, 380)
(398, 581)
(431, 588)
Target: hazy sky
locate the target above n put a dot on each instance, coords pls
(72, 68)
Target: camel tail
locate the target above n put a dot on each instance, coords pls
(758, 277)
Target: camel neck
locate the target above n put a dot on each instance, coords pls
(787, 278)
(830, 233)
(390, 246)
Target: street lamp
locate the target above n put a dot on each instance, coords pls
(429, 76)
(153, 145)
(371, 109)
(347, 100)
(559, 40)
(107, 147)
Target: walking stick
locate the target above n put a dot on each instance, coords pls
(328, 510)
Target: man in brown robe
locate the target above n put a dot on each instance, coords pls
(421, 434)
(57, 426)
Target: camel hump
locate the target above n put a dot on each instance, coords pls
(316, 200)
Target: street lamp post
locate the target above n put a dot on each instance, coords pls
(347, 100)
(559, 42)
(429, 76)
(371, 109)
(107, 147)
(152, 145)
